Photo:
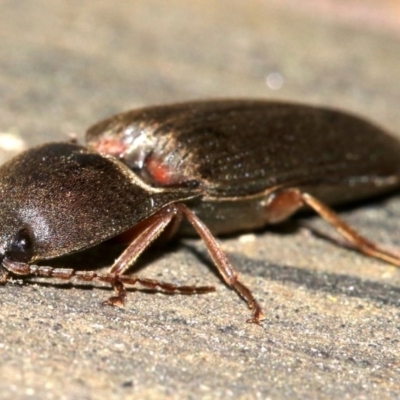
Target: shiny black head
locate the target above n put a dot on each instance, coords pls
(17, 242)
(20, 247)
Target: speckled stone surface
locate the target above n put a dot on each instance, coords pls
(332, 322)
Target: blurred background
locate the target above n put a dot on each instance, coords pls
(332, 323)
(64, 65)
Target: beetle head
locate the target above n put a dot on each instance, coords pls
(26, 189)
(17, 242)
(61, 198)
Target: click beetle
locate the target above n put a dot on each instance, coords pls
(207, 167)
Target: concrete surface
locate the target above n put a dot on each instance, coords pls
(332, 316)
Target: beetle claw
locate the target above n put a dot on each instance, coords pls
(115, 301)
(119, 299)
(257, 317)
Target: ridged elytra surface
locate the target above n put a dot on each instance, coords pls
(238, 148)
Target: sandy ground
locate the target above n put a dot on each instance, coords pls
(332, 316)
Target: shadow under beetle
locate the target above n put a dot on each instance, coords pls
(211, 167)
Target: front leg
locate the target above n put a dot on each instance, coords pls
(151, 229)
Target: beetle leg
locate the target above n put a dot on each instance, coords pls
(286, 202)
(165, 286)
(282, 204)
(23, 269)
(172, 228)
(152, 228)
(356, 240)
(223, 264)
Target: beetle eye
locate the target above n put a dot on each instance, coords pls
(21, 248)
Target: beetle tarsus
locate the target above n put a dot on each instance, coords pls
(166, 286)
(120, 298)
(245, 292)
(118, 282)
(257, 317)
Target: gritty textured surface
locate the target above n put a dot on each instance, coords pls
(332, 316)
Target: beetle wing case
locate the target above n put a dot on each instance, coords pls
(71, 198)
(240, 148)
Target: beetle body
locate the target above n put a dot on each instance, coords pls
(212, 167)
(243, 152)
